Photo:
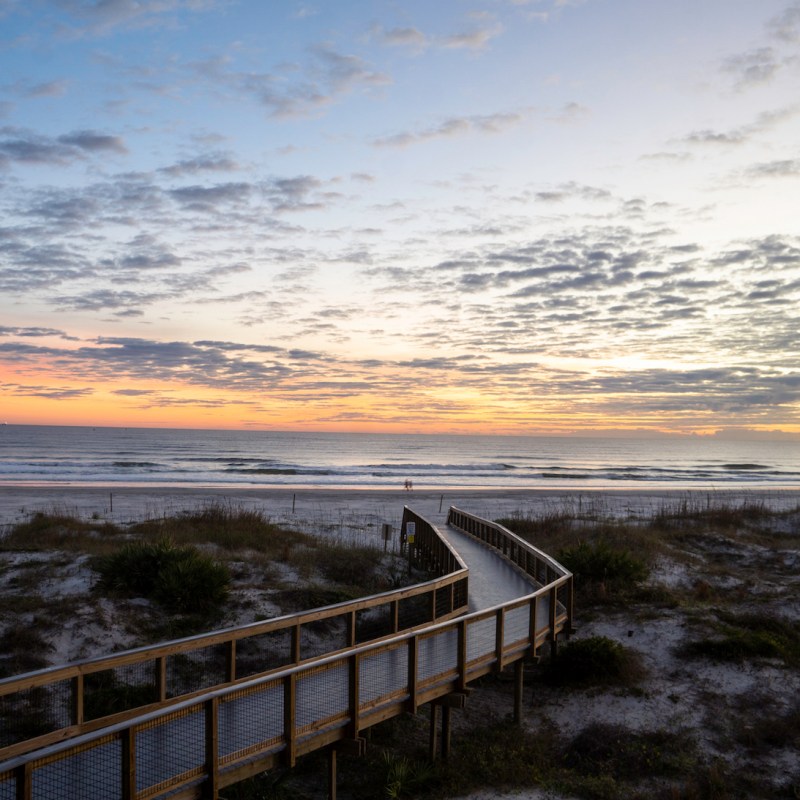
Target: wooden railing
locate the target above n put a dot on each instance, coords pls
(195, 747)
(544, 569)
(66, 701)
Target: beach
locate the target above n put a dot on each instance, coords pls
(742, 571)
(304, 505)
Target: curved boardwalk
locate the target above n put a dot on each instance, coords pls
(195, 747)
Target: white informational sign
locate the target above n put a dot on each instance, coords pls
(411, 530)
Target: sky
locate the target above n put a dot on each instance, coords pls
(495, 216)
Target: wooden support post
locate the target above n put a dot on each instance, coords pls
(289, 718)
(446, 728)
(433, 733)
(296, 644)
(519, 685)
(128, 788)
(412, 675)
(353, 676)
(552, 617)
(499, 640)
(351, 629)
(395, 606)
(211, 786)
(462, 655)
(332, 773)
(24, 780)
(230, 661)
(161, 678)
(77, 700)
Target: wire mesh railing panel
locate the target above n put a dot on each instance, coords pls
(373, 623)
(263, 652)
(113, 690)
(461, 593)
(196, 669)
(250, 719)
(415, 611)
(92, 774)
(516, 624)
(321, 694)
(34, 712)
(443, 601)
(323, 636)
(481, 640)
(172, 747)
(562, 594)
(383, 673)
(8, 787)
(437, 655)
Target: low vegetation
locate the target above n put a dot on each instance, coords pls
(594, 661)
(724, 577)
(181, 579)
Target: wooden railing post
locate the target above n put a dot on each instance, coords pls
(295, 644)
(290, 718)
(77, 699)
(353, 681)
(351, 629)
(533, 620)
(24, 782)
(462, 655)
(160, 676)
(128, 775)
(230, 660)
(499, 638)
(412, 674)
(211, 786)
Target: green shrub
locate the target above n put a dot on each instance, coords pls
(180, 579)
(350, 566)
(624, 755)
(592, 661)
(599, 562)
(226, 526)
(749, 636)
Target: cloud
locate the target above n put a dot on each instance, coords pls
(94, 142)
(406, 37)
(785, 27)
(299, 90)
(26, 147)
(208, 199)
(764, 122)
(55, 88)
(101, 17)
(785, 168)
(203, 163)
(752, 68)
(472, 40)
(454, 126)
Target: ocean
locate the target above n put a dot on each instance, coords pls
(147, 457)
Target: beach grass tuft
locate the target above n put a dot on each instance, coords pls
(594, 661)
(179, 578)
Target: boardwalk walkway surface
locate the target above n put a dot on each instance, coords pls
(195, 747)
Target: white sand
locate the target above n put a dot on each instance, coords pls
(335, 506)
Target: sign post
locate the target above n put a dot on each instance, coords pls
(411, 533)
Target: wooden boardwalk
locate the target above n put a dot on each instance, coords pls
(519, 598)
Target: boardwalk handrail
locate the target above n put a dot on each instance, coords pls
(226, 656)
(544, 569)
(228, 734)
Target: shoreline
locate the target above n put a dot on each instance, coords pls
(123, 503)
